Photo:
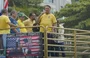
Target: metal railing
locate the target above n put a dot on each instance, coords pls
(76, 42)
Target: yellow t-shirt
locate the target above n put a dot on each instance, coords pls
(47, 20)
(21, 24)
(29, 23)
(4, 24)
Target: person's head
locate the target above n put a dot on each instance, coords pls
(21, 16)
(14, 14)
(47, 9)
(32, 16)
(4, 12)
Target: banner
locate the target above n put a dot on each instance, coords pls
(6, 4)
(24, 44)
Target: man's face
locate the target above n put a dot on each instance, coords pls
(47, 9)
(14, 15)
(6, 12)
(22, 18)
(33, 16)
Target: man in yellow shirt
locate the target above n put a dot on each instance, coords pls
(21, 24)
(47, 19)
(5, 22)
(30, 21)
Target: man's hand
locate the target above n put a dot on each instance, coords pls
(11, 24)
(15, 31)
(53, 28)
(42, 13)
(38, 19)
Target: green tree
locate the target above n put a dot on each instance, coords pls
(73, 1)
(78, 15)
(25, 2)
(26, 6)
(35, 2)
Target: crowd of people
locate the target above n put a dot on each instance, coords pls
(10, 24)
(6, 22)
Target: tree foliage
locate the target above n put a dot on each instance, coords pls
(24, 2)
(78, 15)
(26, 6)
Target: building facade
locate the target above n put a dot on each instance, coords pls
(56, 4)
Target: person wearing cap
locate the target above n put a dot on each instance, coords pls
(30, 22)
(21, 24)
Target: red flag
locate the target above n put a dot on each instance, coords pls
(5, 4)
